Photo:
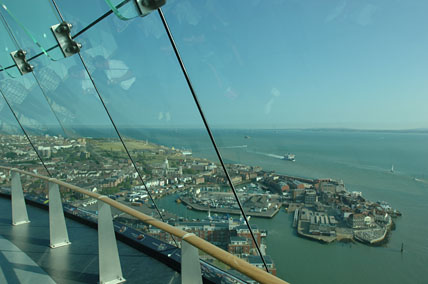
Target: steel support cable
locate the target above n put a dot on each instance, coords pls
(122, 141)
(208, 129)
(229, 259)
(117, 131)
(15, 42)
(25, 133)
(12, 36)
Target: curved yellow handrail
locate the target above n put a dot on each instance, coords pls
(216, 252)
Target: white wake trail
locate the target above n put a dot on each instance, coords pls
(268, 154)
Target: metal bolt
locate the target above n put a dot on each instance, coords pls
(28, 67)
(20, 54)
(62, 28)
(73, 48)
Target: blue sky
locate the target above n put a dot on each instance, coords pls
(357, 64)
(254, 64)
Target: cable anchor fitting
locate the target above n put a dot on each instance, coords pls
(145, 7)
(21, 62)
(62, 35)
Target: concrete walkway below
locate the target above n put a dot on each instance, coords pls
(17, 267)
(25, 255)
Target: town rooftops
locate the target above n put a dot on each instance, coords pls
(234, 240)
(245, 227)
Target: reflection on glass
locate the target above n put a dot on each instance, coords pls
(33, 113)
(7, 45)
(315, 97)
(124, 10)
(16, 151)
(146, 94)
(150, 103)
(80, 14)
(273, 79)
(31, 32)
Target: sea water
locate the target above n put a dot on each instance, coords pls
(363, 160)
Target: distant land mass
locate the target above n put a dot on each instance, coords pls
(415, 130)
(140, 132)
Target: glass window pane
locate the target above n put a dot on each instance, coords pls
(31, 32)
(141, 83)
(316, 90)
(6, 46)
(81, 13)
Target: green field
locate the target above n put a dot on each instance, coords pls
(109, 145)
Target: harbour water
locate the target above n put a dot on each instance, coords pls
(363, 160)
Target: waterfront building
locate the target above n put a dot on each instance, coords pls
(296, 184)
(357, 221)
(284, 186)
(243, 231)
(382, 217)
(215, 232)
(236, 179)
(130, 82)
(310, 197)
(240, 246)
(327, 186)
(45, 151)
(321, 229)
(298, 193)
(305, 214)
(256, 261)
(198, 180)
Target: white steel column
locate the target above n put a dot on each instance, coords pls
(109, 262)
(57, 227)
(19, 209)
(190, 264)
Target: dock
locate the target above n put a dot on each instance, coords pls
(270, 213)
(323, 239)
(296, 218)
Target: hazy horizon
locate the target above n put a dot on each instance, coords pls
(286, 65)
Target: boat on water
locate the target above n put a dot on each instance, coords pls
(289, 157)
(392, 168)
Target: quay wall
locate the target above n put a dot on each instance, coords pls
(267, 214)
(306, 180)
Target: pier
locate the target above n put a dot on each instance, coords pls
(296, 218)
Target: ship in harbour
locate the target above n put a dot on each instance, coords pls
(289, 157)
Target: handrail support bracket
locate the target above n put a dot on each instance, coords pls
(19, 209)
(57, 226)
(190, 264)
(109, 262)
